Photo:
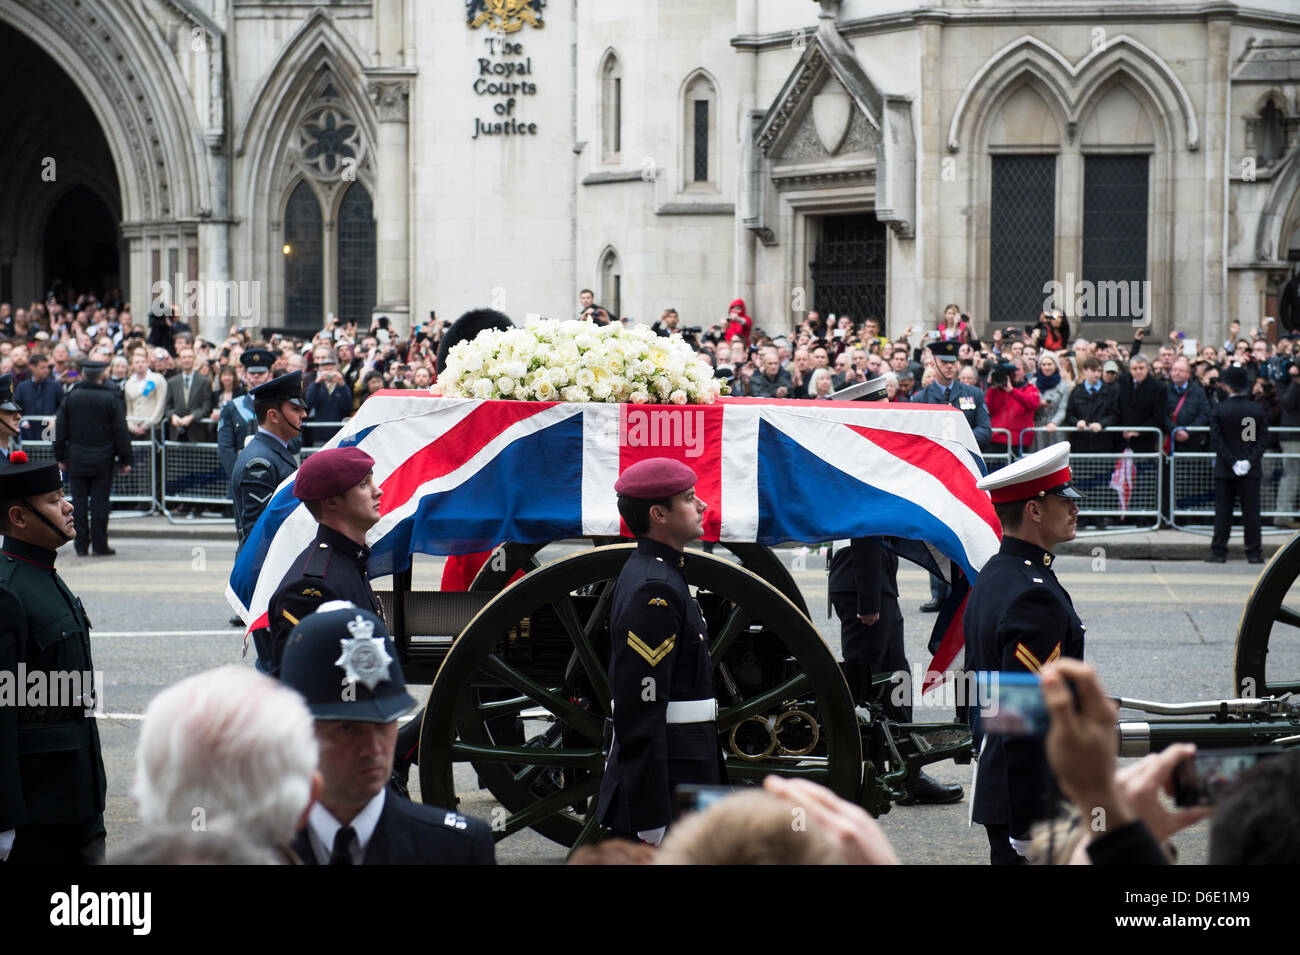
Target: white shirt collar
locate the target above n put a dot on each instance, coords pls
(322, 827)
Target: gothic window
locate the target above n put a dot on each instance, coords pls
(1115, 225)
(1022, 231)
(330, 142)
(611, 284)
(303, 259)
(611, 107)
(700, 132)
(1270, 136)
(356, 230)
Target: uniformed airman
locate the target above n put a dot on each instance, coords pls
(268, 458)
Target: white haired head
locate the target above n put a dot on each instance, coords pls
(231, 747)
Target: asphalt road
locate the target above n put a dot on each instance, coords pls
(1156, 630)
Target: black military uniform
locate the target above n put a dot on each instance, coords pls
(89, 431)
(863, 580)
(238, 422)
(404, 833)
(11, 438)
(1018, 618)
(265, 460)
(1238, 432)
(52, 782)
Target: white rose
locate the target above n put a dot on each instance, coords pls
(639, 398)
(585, 378)
(544, 390)
(516, 369)
(601, 391)
(584, 340)
(574, 393)
(662, 385)
(646, 368)
(615, 364)
(505, 385)
(482, 388)
(678, 397)
(566, 353)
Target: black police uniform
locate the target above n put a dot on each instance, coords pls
(1233, 423)
(237, 424)
(89, 431)
(863, 580)
(52, 782)
(657, 634)
(331, 567)
(1018, 618)
(9, 440)
(411, 833)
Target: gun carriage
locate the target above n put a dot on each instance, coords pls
(519, 676)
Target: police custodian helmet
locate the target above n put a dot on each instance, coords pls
(343, 661)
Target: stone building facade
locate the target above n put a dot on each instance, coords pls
(397, 157)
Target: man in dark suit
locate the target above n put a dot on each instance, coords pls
(39, 395)
(1093, 405)
(1141, 405)
(1238, 438)
(661, 676)
(89, 432)
(357, 820)
(1019, 618)
(189, 401)
(863, 583)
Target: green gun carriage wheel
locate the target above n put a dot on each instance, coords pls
(548, 784)
(1267, 617)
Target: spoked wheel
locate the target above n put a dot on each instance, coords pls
(508, 558)
(545, 638)
(1267, 659)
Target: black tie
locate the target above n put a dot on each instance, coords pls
(187, 387)
(947, 397)
(342, 840)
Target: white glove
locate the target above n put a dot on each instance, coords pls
(6, 844)
(652, 836)
(1241, 468)
(1021, 846)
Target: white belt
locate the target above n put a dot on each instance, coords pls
(692, 711)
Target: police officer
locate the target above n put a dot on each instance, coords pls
(337, 485)
(1019, 618)
(1238, 438)
(947, 390)
(52, 782)
(238, 421)
(11, 418)
(89, 431)
(268, 458)
(665, 712)
(343, 661)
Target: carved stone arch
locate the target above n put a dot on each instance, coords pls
(319, 66)
(41, 202)
(1120, 73)
(1280, 214)
(1073, 84)
(1275, 93)
(133, 84)
(1041, 82)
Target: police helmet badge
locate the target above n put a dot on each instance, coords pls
(364, 658)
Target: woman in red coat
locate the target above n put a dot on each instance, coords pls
(1011, 406)
(738, 323)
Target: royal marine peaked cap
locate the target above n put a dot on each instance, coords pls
(285, 388)
(655, 479)
(7, 400)
(331, 472)
(257, 359)
(1035, 475)
(344, 663)
(24, 478)
(944, 350)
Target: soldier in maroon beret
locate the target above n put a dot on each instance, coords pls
(661, 675)
(338, 488)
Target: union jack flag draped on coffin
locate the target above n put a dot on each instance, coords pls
(461, 475)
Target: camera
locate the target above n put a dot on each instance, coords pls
(1001, 374)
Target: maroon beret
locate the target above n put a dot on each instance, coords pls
(655, 479)
(331, 473)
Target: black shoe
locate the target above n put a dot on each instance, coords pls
(236, 622)
(1256, 559)
(931, 607)
(1216, 559)
(106, 552)
(930, 792)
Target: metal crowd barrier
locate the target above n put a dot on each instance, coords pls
(1115, 484)
(1191, 482)
(134, 488)
(999, 459)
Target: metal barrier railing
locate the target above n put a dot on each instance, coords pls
(192, 474)
(134, 488)
(1115, 484)
(1191, 480)
(999, 459)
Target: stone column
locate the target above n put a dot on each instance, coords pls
(390, 95)
(746, 70)
(1218, 63)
